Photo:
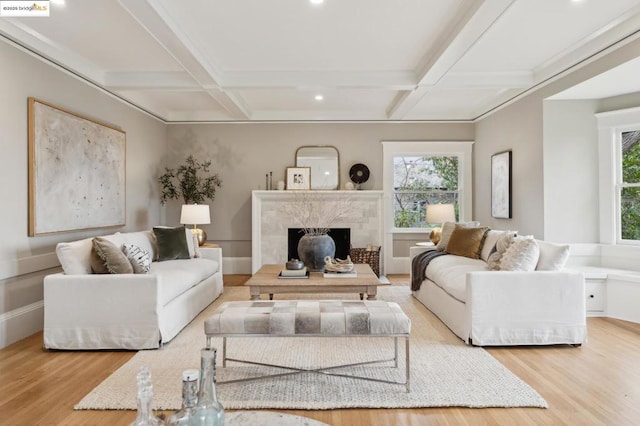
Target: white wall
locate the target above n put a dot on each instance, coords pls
(519, 126)
(570, 152)
(23, 259)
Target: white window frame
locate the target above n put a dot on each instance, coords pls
(391, 149)
(611, 125)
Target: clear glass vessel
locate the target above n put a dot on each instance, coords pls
(145, 415)
(208, 411)
(189, 399)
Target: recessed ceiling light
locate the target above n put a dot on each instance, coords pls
(319, 97)
(316, 1)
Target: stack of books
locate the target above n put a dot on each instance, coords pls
(336, 274)
(294, 273)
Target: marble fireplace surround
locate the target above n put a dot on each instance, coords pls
(270, 222)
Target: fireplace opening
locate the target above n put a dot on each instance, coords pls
(341, 236)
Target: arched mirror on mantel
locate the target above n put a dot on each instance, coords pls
(324, 161)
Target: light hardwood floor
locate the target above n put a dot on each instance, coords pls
(597, 384)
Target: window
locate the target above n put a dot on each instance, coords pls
(419, 181)
(629, 185)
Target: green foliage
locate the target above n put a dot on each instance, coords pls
(187, 181)
(419, 181)
(630, 199)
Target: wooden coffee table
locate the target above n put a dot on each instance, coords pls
(266, 281)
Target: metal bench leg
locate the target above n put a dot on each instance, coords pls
(408, 364)
(224, 351)
(395, 347)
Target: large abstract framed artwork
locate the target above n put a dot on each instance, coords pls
(501, 185)
(76, 171)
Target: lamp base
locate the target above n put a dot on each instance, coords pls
(200, 234)
(436, 234)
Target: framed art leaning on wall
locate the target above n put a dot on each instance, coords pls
(76, 171)
(299, 178)
(501, 185)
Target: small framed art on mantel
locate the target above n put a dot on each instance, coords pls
(501, 185)
(299, 178)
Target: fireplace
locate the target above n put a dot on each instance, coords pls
(341, 236)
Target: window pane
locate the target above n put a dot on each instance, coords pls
(630, 213)
(410, 207)
(631, 157)
(423, 173)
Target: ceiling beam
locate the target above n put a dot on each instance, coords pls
(473, 19)
(148, 14)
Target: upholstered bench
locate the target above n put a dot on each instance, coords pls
(311, 318)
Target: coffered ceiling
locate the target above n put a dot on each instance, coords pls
(254, 60)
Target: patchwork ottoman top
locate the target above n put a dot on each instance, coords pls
(305, 317)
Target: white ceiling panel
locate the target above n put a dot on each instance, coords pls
(243, 60)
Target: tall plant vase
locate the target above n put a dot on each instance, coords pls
(312, 250)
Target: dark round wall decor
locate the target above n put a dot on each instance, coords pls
(359, 173)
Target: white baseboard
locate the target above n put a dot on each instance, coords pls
(236, 265)
(20, 323)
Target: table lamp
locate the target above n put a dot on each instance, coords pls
(439, 213)
(196, 214)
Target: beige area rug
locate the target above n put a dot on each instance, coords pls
(444, 372)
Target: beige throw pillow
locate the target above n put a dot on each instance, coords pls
(522, 255)
(503, 243)
(114, 259)
(467, 242)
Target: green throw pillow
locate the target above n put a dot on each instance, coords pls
(172, 243)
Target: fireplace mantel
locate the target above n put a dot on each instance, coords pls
(270, 223)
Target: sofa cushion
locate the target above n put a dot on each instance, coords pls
(143, 239)
(178, 276)
(503, 243)
(489, 245)
(447, 229)
(553, 256)
(139, 258)
(114, 259)
(97, 264)
(171, 243)
(450, 273)
(75, 257)
(522, 255)
(466, 241)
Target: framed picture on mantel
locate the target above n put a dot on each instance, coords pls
(299, 178)
(501, 185)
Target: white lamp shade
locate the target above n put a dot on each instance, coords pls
(195, 214)
(440, 213)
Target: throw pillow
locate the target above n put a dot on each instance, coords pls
(172, 243)
(522, 255)
(114, 260)
(467, 242)
(503, 243)
(553, 256)
(97, 264)
(139, 258)
(447, 229)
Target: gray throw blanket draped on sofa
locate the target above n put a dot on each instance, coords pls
(419, 267)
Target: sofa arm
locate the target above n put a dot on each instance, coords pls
(213, 253)
(541, 307)
(97, 311)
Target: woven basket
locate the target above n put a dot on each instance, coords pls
(370, 256)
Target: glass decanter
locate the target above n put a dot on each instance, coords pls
(145, 415)
(208, 411)
(189, 399)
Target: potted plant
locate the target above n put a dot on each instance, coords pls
(192, 181)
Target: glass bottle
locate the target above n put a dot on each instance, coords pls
(208, 411)
(189, 399)
(145, 415)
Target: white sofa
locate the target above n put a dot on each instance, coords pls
(83, 310)
(496, 308)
